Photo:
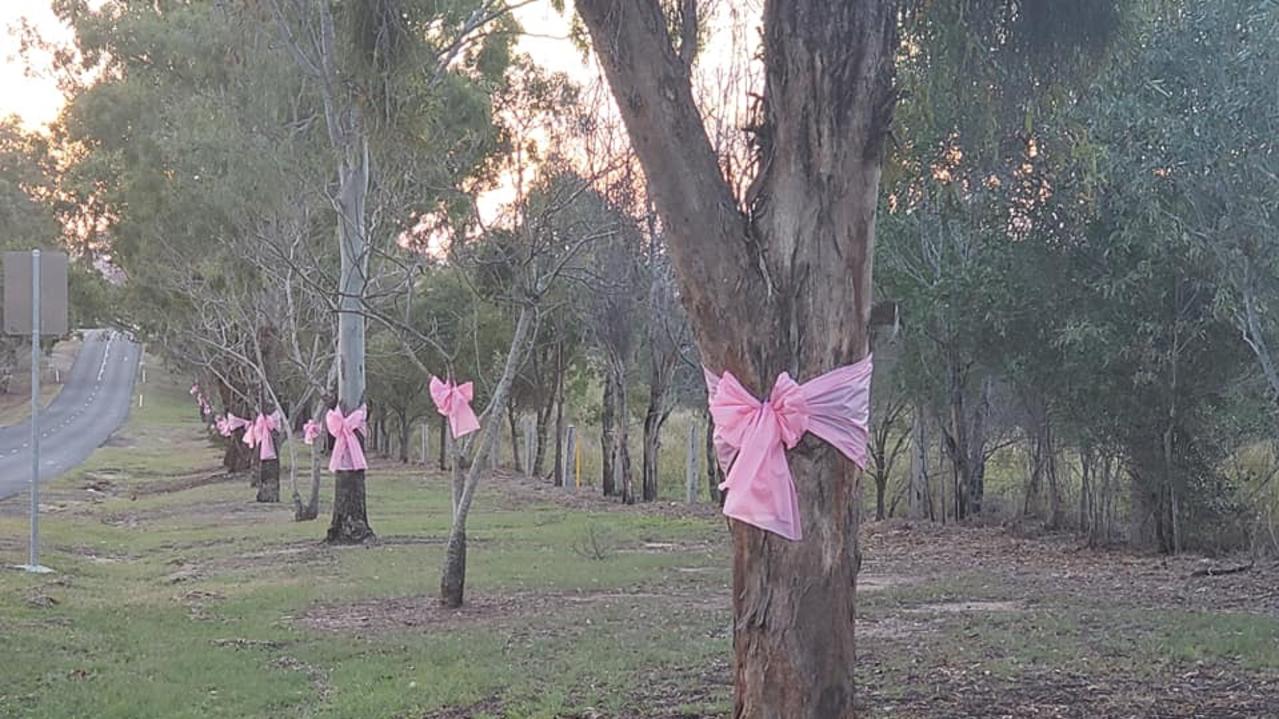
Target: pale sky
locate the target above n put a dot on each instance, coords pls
(32, 92)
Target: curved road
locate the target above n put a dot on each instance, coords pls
(94, 401)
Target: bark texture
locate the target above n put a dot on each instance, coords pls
(269, 480)
(783, 285)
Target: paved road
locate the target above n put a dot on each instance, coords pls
(94, 401)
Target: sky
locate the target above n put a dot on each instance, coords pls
(29, 89)
(31, 93)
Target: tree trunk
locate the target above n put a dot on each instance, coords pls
(652, 448)
(269, 480)
(785, 288)
(237, 457)
(957, 441)
(623, 477)
(444, 444)
(1087, 466)
(467, 474)
(516, 462)
(544, 415)
(406, 437)
(714, 472)
(919, 505)
(349, 523)
(558, 473)
(976, 480)
(311, 509)
(607, 442)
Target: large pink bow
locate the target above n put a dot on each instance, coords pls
(229, 424)
(751, 438)
(310, 431)
(348, 454)
(454, 401)
(259, 432)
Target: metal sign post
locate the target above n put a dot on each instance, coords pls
(48, 282)
(33, 553)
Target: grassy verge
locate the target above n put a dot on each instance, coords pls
(178, 596)
(15, 405)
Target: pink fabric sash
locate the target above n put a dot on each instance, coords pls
(229, 424)
(310, 431)
(751, 438)
(259, 433)
(348, 454)
(454, 401)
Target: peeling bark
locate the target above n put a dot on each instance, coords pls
(783, 287)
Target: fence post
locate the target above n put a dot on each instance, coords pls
(570, 459)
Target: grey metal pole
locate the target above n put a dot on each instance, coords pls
(33, 559)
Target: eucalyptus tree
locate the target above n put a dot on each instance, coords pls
(26, 209)
(377, 68)
(556, 222)
(779, 280)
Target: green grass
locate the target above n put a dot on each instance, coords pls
(202, 603)
(117, 631)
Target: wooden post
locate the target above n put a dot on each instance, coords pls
(570, 464)
(694, 467)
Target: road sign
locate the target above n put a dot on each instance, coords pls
(18, 296)
(35, 303)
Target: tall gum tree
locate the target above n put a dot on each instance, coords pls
(783, 285)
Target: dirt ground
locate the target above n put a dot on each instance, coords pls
(953, 622)
(961, 622)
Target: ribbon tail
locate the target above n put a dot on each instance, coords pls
(761, 491)
(463, 421)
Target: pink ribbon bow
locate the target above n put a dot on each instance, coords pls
(454, 401)
(229, 424)
(259, 432)
(348, 455)
(310, 431)
(751, 438)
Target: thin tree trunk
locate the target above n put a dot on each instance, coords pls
(453, 574)
(607, 442)
(919, 467)
(621, 440)
(957, 442)
(516, 462)
(558, 473)
(544, 414)
(237, 457)
(444, 444)
(269, 480)
(976, 480)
